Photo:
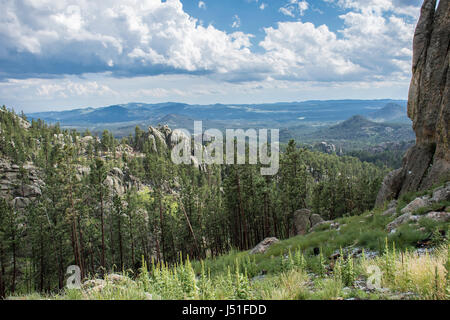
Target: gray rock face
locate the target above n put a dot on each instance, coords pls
(390, 187)
(19, 190)
(428, 162)
(264, 245)
(118, 180)
(162, 138)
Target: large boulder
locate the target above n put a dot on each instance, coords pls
(391, 208)
(441, 194)
(302, 224)
(438, 216)
(315, 219)
(404, 218)
(264, 245)
(20, 202)
(416, 204)
(428, 162)
(305, 221)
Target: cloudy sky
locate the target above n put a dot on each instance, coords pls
(63, 54)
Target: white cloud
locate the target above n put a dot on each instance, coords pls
(375, 43)
(236, 21)
(151, 37)
(294, 7)
(302, 6)
(202, 5)
(287, 12)
(405, 7)
(263, 6)
(68, 88)
(302, 51)
(128, 36)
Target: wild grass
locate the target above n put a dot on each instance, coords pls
(290, 285)
(292, 269)
(424, 274)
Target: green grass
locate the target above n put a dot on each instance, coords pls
(292, 271)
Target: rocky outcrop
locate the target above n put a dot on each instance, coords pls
(411, 212)
(118, 180)
(264, 245)
(416, 204)
(330, 224)
(163, 139)
(305, 221)
(22, 122)
(438, 216)
(441, 194)
(19, 185)
(390, 186)
(325, 147)
(428, 162)
(404, 218)
(391, 208)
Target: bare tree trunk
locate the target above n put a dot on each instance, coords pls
(41, 276)
(241, 211)
(103, 230)
(189, 225)
(13, 281)
(120, 242)
(161, 221)
(2, 273)
(131, 238)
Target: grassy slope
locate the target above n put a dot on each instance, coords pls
(292, 271)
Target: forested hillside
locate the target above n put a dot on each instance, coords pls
(102, 204)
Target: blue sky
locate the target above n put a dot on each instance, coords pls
(76, 53)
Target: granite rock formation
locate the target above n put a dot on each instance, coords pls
(428, 161)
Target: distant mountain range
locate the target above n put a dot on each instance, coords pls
(358, 126)
(391, 112)
(352, 133)
(122, 118)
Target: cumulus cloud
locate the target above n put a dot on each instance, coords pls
(48, 89)
(302, 51)
(124, 37)
(67, 88)
(375, 43)
(294, 7)
(201, 5)
(44, 38)
(404, 7)
(287, 11)
(263, 6)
